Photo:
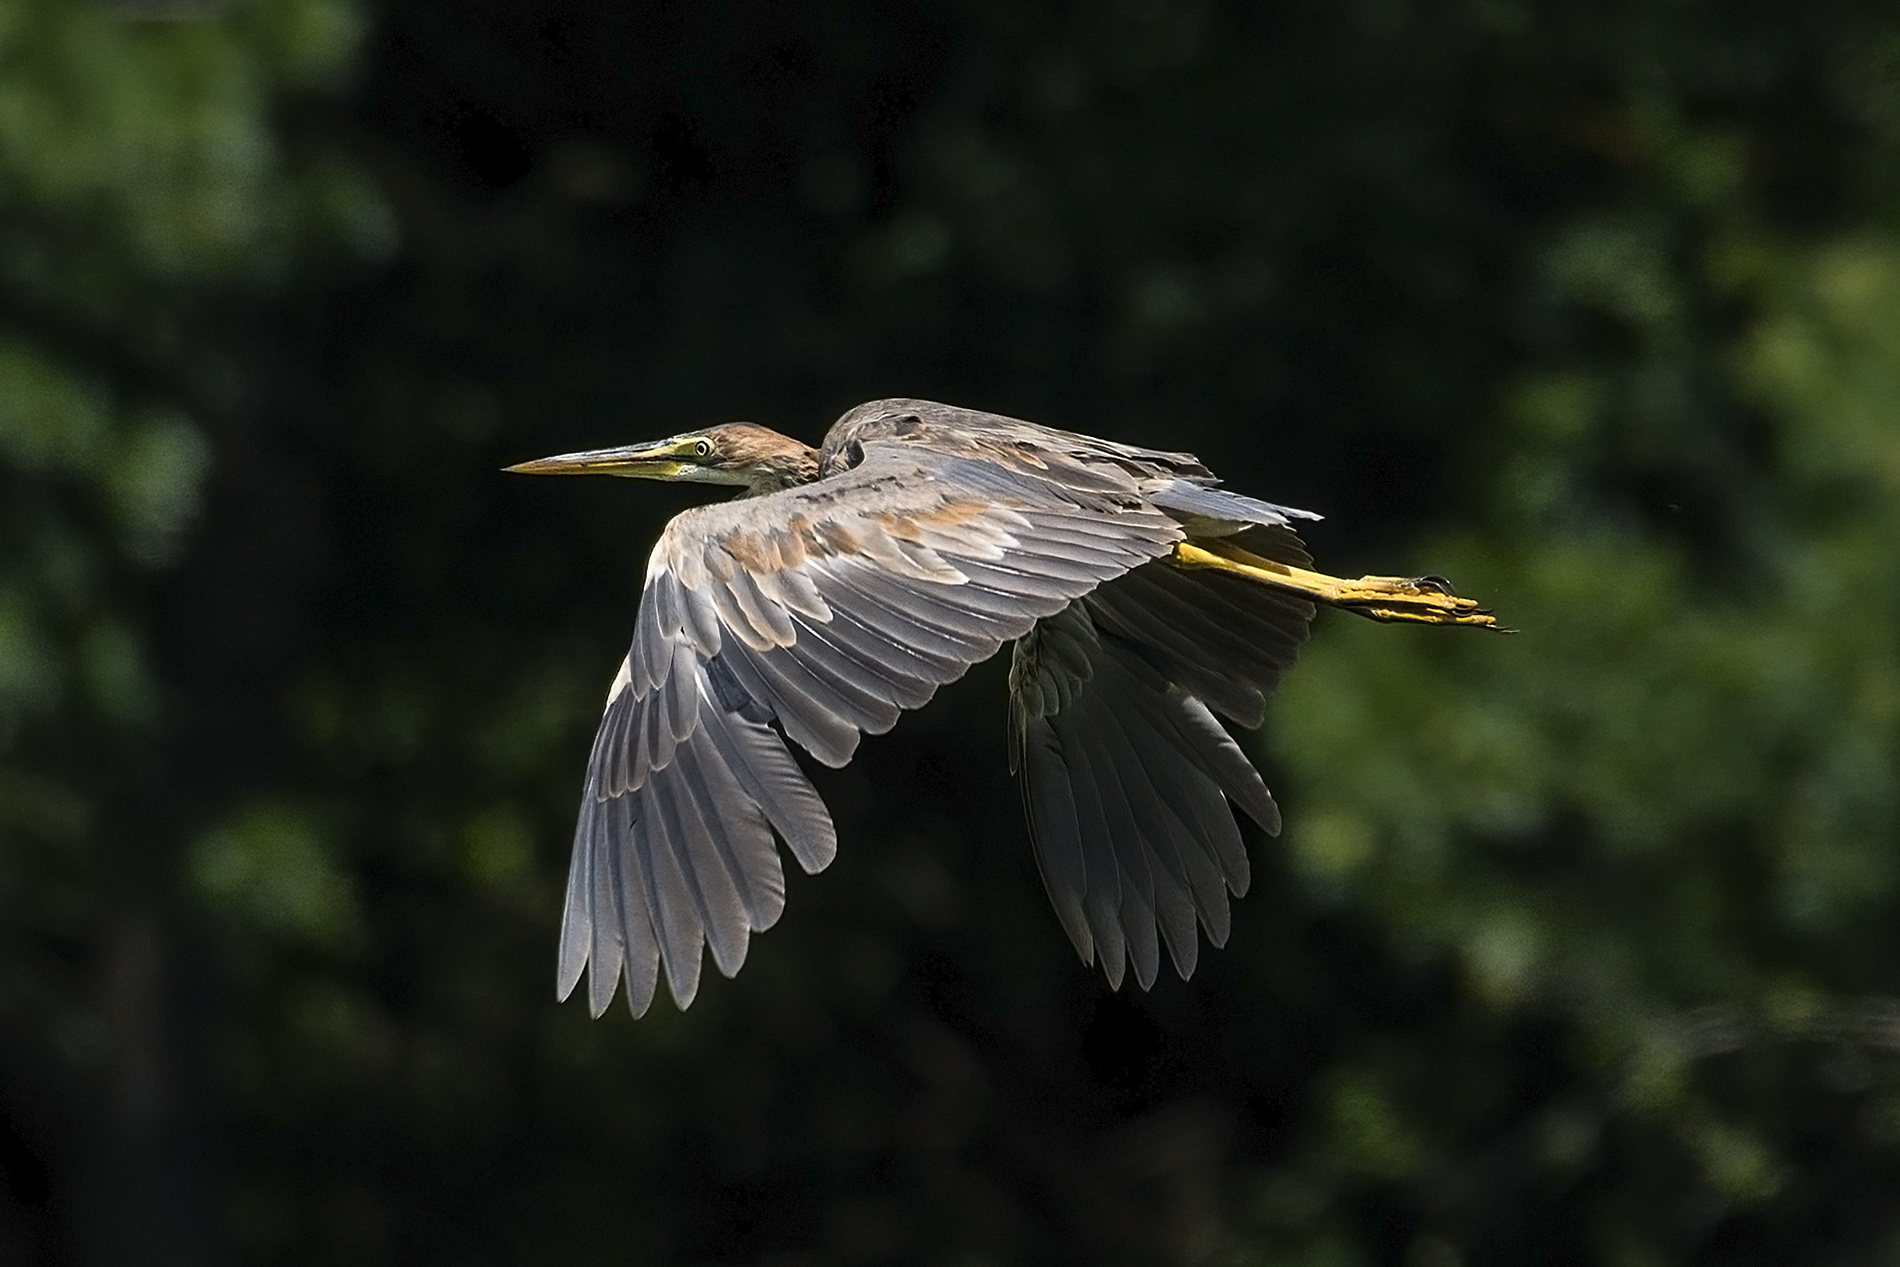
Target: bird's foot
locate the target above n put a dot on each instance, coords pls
(1426, 600)
(1423, 600)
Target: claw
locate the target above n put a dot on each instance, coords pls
(1424, 600)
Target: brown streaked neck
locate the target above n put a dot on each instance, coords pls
(765, 460)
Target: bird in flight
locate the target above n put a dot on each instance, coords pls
(847, 583)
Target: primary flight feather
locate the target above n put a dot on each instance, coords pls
(847, 583)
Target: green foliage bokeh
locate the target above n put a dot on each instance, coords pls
(1579, 946)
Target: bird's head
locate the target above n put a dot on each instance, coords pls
(738, 453)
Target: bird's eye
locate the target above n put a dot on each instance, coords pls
(703, 448)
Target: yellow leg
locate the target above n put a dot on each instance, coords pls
(1421, 600)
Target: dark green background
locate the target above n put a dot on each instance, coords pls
(1579, 947)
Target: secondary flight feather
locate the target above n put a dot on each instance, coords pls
(1143, 602)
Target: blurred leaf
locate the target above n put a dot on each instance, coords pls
(272, 870)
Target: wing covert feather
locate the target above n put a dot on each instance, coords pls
(818, 613)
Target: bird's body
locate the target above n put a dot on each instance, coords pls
(849, 582)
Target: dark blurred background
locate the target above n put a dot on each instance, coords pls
(1579, 947)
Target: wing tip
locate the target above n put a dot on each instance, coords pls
(567, 975)
(600, 990)
(814, 849)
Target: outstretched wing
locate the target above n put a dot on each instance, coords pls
(1126, 772)
(820, 612)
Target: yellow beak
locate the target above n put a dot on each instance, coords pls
(657, 461)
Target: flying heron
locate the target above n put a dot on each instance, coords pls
(845, 584)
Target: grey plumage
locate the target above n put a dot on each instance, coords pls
(1111, 729)
(854, 581)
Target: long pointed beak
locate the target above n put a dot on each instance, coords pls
(658, 461)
